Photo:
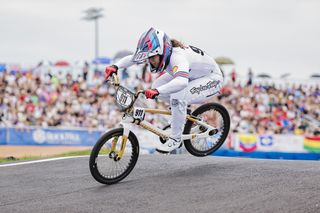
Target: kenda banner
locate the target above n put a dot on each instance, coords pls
(67, 137)
(3, 136)
(148, 141)
(49, 136)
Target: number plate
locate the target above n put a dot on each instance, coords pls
(123, 99)
(138, 113)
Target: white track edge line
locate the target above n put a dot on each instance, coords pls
(40, 161)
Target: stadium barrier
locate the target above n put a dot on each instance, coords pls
(37, 136)
(271, 146)
(241, 145)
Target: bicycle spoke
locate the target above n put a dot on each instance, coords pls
(108, 167)
(214, 119)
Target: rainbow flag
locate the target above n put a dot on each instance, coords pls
(312, 144)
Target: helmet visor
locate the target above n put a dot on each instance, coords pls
(142, 57)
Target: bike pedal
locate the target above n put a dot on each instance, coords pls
(163, 152)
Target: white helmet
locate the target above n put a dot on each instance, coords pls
(154, 42)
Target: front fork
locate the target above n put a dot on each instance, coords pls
(125, 136)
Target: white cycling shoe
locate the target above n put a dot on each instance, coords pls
(169, 145)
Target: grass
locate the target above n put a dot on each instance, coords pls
(27, 158)
(12, 159)
(75, 153)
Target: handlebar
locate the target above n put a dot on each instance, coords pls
(116, 82)
(138, 93)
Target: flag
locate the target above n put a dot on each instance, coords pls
(248, 143)
(312, 144)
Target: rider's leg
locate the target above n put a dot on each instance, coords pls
(178, 118)
(197, 91)
(179, 112)
(202, 89)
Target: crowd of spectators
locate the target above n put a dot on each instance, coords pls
(27, 99)
(268, 109)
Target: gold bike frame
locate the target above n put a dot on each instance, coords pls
(128, 118)
(161, 133)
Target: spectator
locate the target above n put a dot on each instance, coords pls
(233, 76)
(85, 71)
(250, 77)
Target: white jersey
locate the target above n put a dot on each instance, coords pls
(192, 77)
(185, 65)
(192, 63)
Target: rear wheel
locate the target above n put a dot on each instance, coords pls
(105, 165)
(216, 116)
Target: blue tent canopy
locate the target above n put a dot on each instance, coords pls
(102, 60)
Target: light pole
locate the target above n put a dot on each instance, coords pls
(93, 14)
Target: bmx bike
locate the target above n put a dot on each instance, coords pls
(116, 152)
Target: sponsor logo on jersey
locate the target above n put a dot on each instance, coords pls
(209, 85)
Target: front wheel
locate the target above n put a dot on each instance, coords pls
(216, 116)
(105, 165)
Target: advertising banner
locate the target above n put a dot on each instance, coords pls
(48, 136)
(67, 137)
(273, 143)
(244, 143)
(281, 143)
(3, 136)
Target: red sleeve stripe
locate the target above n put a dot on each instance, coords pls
(182, 74)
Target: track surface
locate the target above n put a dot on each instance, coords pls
(175, 183)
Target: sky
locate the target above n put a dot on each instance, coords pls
(270, 36)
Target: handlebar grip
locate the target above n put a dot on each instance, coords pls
(116, 81)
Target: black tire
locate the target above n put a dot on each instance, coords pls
(223, 131)
(132, 157)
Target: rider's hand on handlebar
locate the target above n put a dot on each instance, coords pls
(151, 93)
(110, 70)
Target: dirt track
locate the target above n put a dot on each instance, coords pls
(26, 151)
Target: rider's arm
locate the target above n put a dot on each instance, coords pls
(125, 62)
(180, 74)
(175, 85)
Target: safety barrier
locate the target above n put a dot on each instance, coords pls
(273, 143)
(241, 145)
(65, 137)
(48, 136)
(271, 147)
(268, 155)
